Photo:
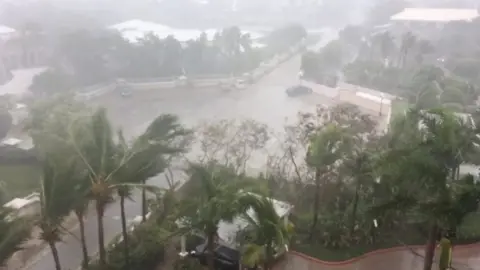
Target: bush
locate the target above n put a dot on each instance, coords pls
(187, 263)
(147, 248)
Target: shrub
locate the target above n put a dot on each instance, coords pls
(147, 247)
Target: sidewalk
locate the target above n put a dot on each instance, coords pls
(35, 247)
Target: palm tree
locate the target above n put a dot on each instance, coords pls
(147, 158)
(82, 200)
(217, 196)
(267, 233)
(94, 143)
(424, 162)
(13, 233)
(56, 200)
(114, 166)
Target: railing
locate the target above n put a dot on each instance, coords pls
(398, 258)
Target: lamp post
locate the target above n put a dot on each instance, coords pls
(382, 96)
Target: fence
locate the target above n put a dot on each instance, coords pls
(400, 258)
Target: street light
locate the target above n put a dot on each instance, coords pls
(382, 96)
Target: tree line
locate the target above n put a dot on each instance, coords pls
(88, 57)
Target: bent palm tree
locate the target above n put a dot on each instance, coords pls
(56, 202)
(267, 234)
(13, 233)
(147, 158)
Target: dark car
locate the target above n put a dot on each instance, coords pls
(299, 90)
(225, 258)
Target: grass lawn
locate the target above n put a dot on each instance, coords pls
(19, 180)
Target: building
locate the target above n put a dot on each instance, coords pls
(136, 29)
(20, 51)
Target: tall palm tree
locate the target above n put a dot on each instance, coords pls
(56, 201)
(82, 201)
(267, 233)
(216, 196)
(147, 158)
(95, 145)
(115, 167)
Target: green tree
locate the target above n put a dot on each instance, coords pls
(217, 195)
(423, 164)
(326, 148)
(57, 201)
(13, 233)
(50, 124)
(266, 234)
(147, 158)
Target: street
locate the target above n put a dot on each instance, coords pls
(265, 102)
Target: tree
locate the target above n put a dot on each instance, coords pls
(217, 195)
(266, 234)
(326, 148)
(56, 200)
(13, 233)
(50, 123)
(423, 164)
(147, 158)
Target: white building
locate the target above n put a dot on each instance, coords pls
(136, 29)
(6, 32)
(435, 15)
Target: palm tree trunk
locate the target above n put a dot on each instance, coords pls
(80, 213)
(316, 202)
(354, 210)
(126, 253)
(430, 247)
(144, 202)
(211, 250)
(268, 257)
(100, 207)
(56, 258)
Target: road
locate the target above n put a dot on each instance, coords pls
(265, 102)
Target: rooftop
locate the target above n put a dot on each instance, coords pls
(135, 29)
(6, 30)
(435, 15)
(19, 203)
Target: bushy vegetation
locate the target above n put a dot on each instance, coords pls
(109, 56)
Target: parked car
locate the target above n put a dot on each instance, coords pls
(298, 90)
(225, 258)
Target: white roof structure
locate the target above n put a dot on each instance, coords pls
(227, 231)
(6, 30)
(21, 81)
(137, 29)
(19, 203)
(435, 15)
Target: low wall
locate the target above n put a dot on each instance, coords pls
(399, 258)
